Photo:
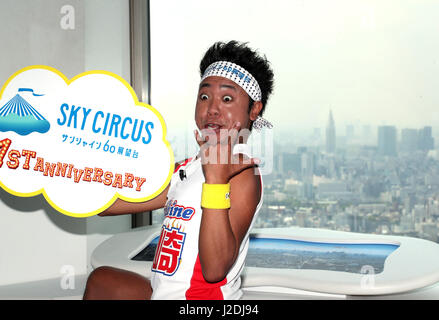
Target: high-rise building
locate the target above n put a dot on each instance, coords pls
(307, 165)
(292, 163)
(425, 140)
(413, 139)
(387, 141)
(279, 163)
(330, 134)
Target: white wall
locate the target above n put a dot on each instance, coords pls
(36, 241)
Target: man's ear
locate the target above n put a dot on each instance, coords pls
(255, 110)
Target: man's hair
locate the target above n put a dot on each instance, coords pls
(239, 53)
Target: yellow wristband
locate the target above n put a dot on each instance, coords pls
(215, 196)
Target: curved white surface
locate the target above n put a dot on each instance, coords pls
(414, 265)
(118, 250)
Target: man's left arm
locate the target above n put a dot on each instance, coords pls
(222, 230)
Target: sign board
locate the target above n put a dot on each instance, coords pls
(82, 142)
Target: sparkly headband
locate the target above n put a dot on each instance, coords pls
(237, 74)
(244, 79)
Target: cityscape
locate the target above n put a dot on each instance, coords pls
(302, 259)
(383, 182)
(356, 178)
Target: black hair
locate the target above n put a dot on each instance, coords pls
(239, 53)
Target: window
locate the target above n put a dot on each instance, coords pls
(354, 142)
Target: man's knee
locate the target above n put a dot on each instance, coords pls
(97, 282)
(98, 275)
(112, 283)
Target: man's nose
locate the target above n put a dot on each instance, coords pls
(213, 108)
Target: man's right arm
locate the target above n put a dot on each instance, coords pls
(120, 207)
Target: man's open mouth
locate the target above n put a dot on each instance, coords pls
(213, 126)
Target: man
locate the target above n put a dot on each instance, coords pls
(210, 208)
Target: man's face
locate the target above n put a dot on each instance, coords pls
(221, 103)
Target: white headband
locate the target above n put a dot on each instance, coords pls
(237, 74)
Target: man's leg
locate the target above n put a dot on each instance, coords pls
(108, 283)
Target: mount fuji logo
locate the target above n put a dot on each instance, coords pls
(19, 116)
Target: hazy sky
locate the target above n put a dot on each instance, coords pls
(371, 62)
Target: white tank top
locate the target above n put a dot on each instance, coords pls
(176, 269)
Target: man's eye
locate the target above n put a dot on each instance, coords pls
(227, 98)
(204, 96)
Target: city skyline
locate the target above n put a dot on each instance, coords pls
(389, 186)
(389, 139)
(358, 188)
